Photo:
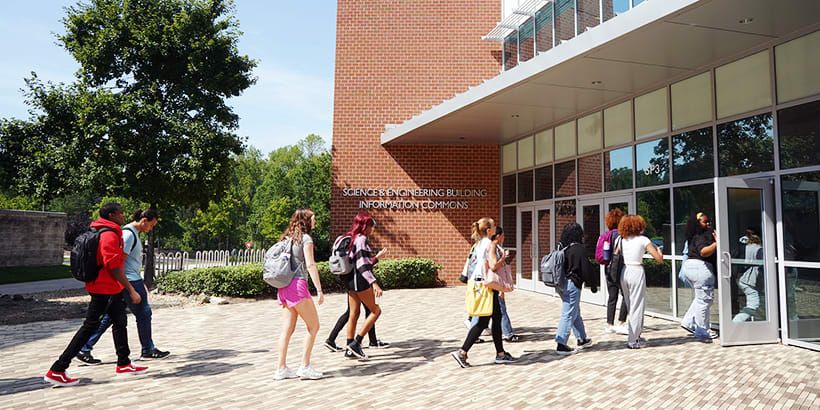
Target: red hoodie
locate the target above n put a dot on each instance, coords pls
(110, 257)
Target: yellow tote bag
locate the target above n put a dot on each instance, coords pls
(479, 299)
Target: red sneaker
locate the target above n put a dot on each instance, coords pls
(131, 369)
(59, 379)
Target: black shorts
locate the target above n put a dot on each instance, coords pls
(355, 281)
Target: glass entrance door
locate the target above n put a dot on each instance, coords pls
(590, 216)
(543, 244)
(525, 266)
(746, 269)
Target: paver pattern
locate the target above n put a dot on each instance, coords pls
(225, 356)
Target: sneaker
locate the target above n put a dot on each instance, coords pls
(130, 369)
(506, 357)
(486, 332)
(609, 329)
(511, 338)
(331, 345)
(712, 334)
(703, 339)
(309, 373)
(156, 354)
(584, 344)
(87, 358)
(637, 345)
(59, 379)
(461, 358)
(688, 329)
(468, 323)
(621, 329)
(564, 350)
(379, 345)
(349, 354)
(285, 373)
(357, 351)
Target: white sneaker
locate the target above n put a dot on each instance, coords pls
(468, 323)
(309, 373)
(285, 373)
(609, 329)
(620, 329)
(486, 332)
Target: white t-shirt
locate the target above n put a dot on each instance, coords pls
(481, 256)
(634, 248)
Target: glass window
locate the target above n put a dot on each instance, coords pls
(565, 140)
(651, 114)
(565, 179)
(693, 155)
(802, 288)
(508, 194)
(658, 286)
(543, 28)
(744, 85)
(801, 216)
(508, 155)
(745, 226)
(509, 217)
(591, 224)
(797, 64)
(692, 101)
(746, 146)
(565, 22)
(526, 38)
(688, 201)
(525, 186)
(618, 124)
(511, 51)
(589, 14)
(636, 2)
(589, 133)
(799, 135)
(613, 8)
(543, 147)
(652, 163)
(618, 169)
(525, 153)
(543, 183)
(589, 169)
(653, 206)
(564, 214)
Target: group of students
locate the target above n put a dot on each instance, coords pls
(118, 283)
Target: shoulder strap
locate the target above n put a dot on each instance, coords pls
(136, 238)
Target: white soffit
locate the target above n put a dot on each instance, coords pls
(657, 41)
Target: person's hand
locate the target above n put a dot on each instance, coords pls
(135, 297)
(506, 253)
(321, 298)
(714, 235)
(381, 253)
(377, 290)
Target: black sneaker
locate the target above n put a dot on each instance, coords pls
(331, 345)
(564, 350)
(349, 354)
(504, 358)
(357, 351)
(156, 354)
(87, 358)
(379, 345)
(461, 358)
(584, 344)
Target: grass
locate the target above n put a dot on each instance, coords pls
(33, 273)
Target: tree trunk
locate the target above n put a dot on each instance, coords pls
(149, 259)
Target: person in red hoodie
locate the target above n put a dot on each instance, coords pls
(106, 297)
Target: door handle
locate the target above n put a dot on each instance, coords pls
(727, 263)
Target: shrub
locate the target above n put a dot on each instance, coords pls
(407, 273)
(239, 281)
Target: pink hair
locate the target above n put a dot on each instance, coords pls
(361, 222)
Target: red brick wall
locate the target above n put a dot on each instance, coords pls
(395, 59)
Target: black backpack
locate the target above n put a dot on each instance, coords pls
(84, 255)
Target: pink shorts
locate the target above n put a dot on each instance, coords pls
(294, 293)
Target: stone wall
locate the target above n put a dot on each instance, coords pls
(31, 238)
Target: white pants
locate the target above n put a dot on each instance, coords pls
(633, 283)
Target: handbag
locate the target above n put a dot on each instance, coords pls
(479, 299)
(500, 280)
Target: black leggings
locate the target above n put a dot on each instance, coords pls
(476, 330)
(614, 289)
(342, 322)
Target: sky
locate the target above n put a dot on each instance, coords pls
(293, 42)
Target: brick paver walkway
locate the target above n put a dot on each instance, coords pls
(224, 356)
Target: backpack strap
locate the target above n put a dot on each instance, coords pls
(136, 238)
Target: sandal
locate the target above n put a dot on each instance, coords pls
(512, 338)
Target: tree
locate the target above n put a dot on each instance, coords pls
(147, 117)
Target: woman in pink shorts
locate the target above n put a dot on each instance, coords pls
(295, 298)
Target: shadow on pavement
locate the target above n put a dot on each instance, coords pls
(382, 365)
(201, 369)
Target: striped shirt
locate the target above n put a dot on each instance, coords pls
(364, 258)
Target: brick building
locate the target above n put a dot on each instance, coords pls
(538, 113)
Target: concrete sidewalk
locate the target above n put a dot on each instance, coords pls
(225, 357)
(40, 286)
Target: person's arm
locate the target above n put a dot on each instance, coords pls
(310, 261)
(710, 250)
(654, 251)
(113, 260)
(364, 263)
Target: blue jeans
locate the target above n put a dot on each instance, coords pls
(506, 326)
(141, 311)
(570, 315)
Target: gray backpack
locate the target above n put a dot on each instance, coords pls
(552, 268)
(340, 263)
(278, 269)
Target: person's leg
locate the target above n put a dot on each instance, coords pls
(142, 314)
(371, 334)
(340, 324)
(496, 326)
(577, 322)
(612, 290)
(105, 323)
(692, 276)
(624, 307)
(289, 317)
(747, 311)
(354, 304)
(631, 284)
(368, 299)
(564, 324)
(475, 332)
(639, 305)
(307, 311)
(96, 309)
(119, 329)
(506, 326)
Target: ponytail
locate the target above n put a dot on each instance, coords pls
(149, 214)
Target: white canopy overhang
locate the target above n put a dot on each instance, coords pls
(654, 43)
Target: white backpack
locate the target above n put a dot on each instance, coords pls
(278, 269)
(340, 263)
